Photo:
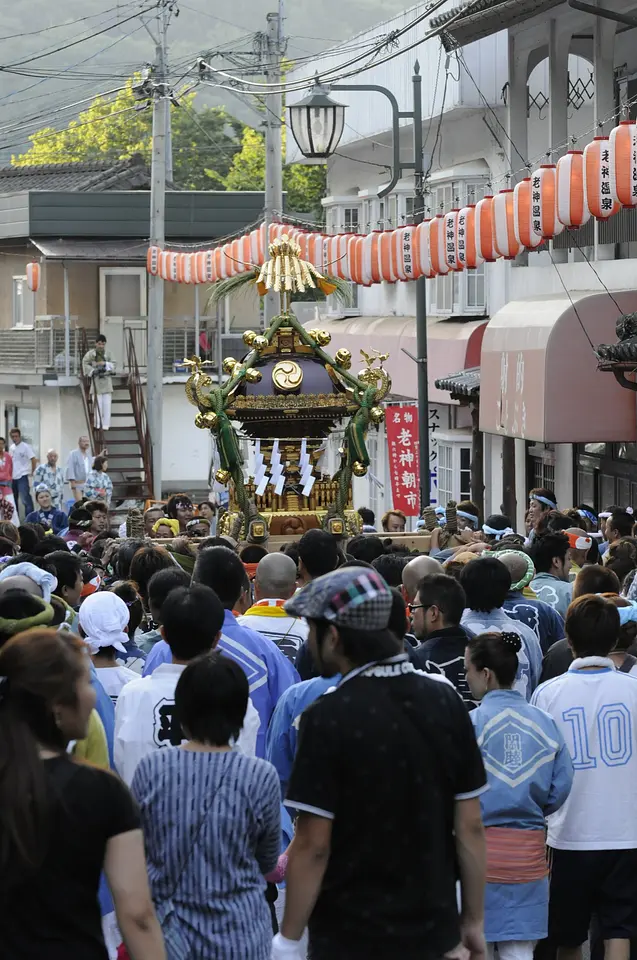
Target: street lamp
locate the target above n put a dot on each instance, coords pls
(317, 126)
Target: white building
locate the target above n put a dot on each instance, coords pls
(511, 85)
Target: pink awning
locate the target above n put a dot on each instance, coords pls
(539, 376)
(452, 346)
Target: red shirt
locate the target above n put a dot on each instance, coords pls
(6, 468)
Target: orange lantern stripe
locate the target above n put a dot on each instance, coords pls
(623, 163)
(523, 218)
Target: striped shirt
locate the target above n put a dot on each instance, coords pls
(212, 829)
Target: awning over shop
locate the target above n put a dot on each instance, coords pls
(452, 345)
(93, 250)
(539, 376)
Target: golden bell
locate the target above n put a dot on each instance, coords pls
(377, 414)
(259, 343)
(229, 364)
(359, 469)
(323, 338)
(344, 358)
(222, 476)
(249, 337)
(207, 421)
(253, 376)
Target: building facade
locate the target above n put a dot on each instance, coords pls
(504, 89)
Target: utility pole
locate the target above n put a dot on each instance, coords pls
(274, 48)
(155, 361)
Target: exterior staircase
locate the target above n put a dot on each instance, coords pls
(127, 441)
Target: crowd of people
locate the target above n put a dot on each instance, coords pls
(341, 750)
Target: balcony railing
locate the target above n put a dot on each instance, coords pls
(41, 349)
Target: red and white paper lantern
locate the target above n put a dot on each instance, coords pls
(422, 251)
(544, 205)
(468, 256)
(485, 245)
(622, 145)
(570, 196)
(523, 215)
(599, 194)
(437, 245)
(504, 239)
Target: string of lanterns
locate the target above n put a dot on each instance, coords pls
(597, 182)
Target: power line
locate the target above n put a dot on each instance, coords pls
(58, 26)
(67, 46)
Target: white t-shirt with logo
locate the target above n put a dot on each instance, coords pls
(145, 721)
(596, 711)
(22, 455)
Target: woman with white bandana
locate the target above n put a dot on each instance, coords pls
(104, 626)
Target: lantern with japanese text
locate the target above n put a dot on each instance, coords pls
(466, 233)
(523, 214)
(256, 246)
(599, 195)
(504, 239)
(437, 244)
(404, 253)
(355, 256)
(570, 194)
(152, 261)
(544, 206)
(485, 246)
(622, 145)
(451, 240)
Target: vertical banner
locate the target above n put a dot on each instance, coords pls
(401, 426)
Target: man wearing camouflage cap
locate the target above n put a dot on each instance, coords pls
(386, 782)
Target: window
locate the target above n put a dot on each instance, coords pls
(543, 473)
(23, 309)
(445, 473)
(465, 473)
(350, 221)
(409, 210)
(122, 292)
(475, 288)
(458, 291)
(381, 214)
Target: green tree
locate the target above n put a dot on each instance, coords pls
(116, 128)
(305, 185)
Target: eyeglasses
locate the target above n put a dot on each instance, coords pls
(418, 606)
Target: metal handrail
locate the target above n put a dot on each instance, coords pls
(139, 409)
(89, 397)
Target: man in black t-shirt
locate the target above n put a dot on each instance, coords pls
(371, 883)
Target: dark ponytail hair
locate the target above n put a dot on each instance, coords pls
(497, 652)
(39, 669)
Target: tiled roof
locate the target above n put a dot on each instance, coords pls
(93, 175)
(463, 384)
(481, 18)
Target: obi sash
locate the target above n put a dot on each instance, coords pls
(515, 856)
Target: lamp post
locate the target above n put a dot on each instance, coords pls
(317, 124)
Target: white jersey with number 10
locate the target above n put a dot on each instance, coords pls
(595, 708)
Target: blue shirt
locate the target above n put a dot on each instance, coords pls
(106, 709)
(269, 671)
(529, 657)
(55, 519)
(280, 745)
(544, 621)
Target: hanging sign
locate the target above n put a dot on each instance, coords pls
(401, 425)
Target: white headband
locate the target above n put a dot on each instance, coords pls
(498, 534)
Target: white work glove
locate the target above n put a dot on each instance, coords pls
(284, 949)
